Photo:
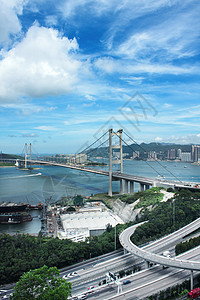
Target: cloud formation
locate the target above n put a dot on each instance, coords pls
(42, 64)
(9, 21)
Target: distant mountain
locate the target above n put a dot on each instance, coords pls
(143, 148)
(9, 156)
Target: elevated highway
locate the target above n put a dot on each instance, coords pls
(127, 179)
(125, 240)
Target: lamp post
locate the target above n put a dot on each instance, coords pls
(115, 237)
(173, 202)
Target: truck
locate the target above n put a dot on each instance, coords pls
(195, 293)
(166, 254)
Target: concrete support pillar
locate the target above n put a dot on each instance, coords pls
(131, 187)
(27, 154)
(154, 184)
(141, 187)
(191, 280)
(126, 186)
(125, 251)
(146, 263)
(121, 186)
(121, 150)
(110, 163)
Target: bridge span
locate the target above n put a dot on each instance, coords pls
(126, 180)
(125, 240)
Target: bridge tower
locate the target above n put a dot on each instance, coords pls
(27, 154)
(111, 161)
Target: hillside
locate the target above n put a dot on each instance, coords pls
(9, 156)
(143, 148)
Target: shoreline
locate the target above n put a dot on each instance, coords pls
(7, 166)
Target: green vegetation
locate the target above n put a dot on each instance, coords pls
(78, 200)
(105, 198)
(95, 163)
(20, 253)
(43, 283)
(8, 156)
(2, 164)
(146, 198)
(143, 148)
(187, 245)
(161, 220)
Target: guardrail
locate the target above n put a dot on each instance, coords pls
(170, 262)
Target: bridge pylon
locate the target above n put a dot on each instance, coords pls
(27, 154)
(111, 161)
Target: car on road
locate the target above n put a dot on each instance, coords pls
(195, 293)
(81, 297)
(126, 281)
(91, 287)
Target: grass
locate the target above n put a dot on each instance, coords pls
(146, 198)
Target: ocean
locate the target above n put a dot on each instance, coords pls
(50, 183)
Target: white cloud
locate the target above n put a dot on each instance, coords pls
(46, 128)
(90, 97)
(42, 64)
(98, 7)
(29, 135)
(107, 64)
(185, 139)
(110, 65)
(9, 22)
(51, 20)
(170, 38)
(88, 104)
(158, 139)
(28, 108)
(167, 105)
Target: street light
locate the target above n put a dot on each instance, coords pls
(115, 237)
(173, 202)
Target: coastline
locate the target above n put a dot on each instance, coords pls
(7, 166)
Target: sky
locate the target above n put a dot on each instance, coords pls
(72, 69)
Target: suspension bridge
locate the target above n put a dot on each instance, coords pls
(126, 180)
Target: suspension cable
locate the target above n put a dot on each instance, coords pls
(151, 157)
(93, 149)
(93, 143)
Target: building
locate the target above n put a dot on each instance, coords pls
(152, 155)
(68, 158)
(171, 154)
(195, 153)
(186, 156)
(136, 154)
(179, 151)
(86, 223)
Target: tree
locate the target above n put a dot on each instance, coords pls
(43, 283)
(78, 201)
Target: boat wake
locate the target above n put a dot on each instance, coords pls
(15, 177)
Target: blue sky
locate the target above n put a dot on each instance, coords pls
(71, 69)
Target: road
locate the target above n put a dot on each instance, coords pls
(92, 271)
(91, 276)
(152, 257)
(147, 282)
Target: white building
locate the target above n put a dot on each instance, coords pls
(79, 225)
(186, 156)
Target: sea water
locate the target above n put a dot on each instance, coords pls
(47, 184)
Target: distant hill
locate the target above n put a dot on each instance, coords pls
(9, 156)
(143, 148)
